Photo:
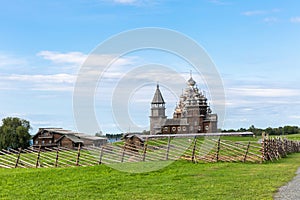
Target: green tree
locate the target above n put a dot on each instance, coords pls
(146, 132)
(99, 134)
(14, 133)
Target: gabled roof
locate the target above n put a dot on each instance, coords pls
(130, 136)
(90, 137)
(158, 98)
(74, 139)
(57, 130)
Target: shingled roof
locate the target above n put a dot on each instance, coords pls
(158, 99)
(176, 122)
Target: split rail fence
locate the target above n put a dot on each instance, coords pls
(193, 147)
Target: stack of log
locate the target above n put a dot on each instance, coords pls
(276, 148)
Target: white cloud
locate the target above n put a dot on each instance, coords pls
(263, 92)
(125, 1)
(92, 60)
(9, 60)
(295, 20)
(260, 12)
(295, 116)
(53, 78)
(57, 79)
(52, 82)
(254, 12)
(57, 57)
(270, 19)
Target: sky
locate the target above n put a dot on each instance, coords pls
(255, 46)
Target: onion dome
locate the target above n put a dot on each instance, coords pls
(191, 82)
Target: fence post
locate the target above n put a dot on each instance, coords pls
(78, 155)
(123, 152)
(263, 147)
(218, 149)
(101, 155)
(38, 157)
(145, 149)
(168, 148)
(247, 150)
(56, 158)
(194, 150)
(277, 149)
(18, 158)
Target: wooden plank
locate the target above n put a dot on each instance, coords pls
(246, 153)
(18, 158)
(78, 155)
(56, 157)
(168, 148)
(218, 150)
(194, 149)
(145, 149)
(38, 157)
(101, 155)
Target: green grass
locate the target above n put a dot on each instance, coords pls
(240, 138)
(180, 180)
(293, 137)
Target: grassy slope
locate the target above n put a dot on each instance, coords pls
(181, 180)
(293, 136)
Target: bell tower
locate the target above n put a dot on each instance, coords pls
(157, 117)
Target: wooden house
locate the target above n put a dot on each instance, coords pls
(58, 137)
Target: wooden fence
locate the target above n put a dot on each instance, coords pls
(276, 148)
(193, 147)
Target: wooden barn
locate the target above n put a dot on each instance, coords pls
(58, 137)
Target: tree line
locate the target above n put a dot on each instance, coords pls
(285, 130)
(14, 133)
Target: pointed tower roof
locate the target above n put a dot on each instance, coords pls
(158, 98)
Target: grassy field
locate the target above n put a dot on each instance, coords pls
(240, 138)
(293, 137)
(180, 180)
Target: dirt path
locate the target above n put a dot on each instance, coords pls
(291, 191)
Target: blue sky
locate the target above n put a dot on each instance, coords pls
(255, 46)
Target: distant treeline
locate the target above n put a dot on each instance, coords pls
(286, 130)
(114, 136)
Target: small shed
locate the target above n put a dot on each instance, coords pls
(133, 142)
